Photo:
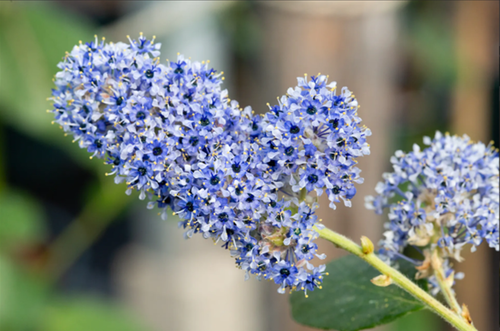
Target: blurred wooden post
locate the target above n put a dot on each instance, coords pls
(476, 24)
(354, 43)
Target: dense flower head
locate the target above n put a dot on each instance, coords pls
(171, 133)
(442, 198)
(150, 121)
(308, 143)
(313, 137)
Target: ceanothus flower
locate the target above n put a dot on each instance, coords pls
(171, 133)
(318, 133)
(442, 199)
(286, 157)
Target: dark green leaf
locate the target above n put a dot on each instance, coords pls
(348, 300)
(422, 320)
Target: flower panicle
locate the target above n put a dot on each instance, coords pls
(170, 132)
(441, 198)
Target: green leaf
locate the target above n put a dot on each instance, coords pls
(348, 300)
(33, 39)
(86, 313)
(422, 320)
(28, 303)
(21, 219)
(23, 297)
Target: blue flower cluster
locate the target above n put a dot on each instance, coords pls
(313, 138)
(171, 133)
(440, 198)
(308, 143)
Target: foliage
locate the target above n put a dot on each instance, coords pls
(350, 302)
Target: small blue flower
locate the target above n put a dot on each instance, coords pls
(187, 208)
(143, 46)
(157, 151)
(284, 274)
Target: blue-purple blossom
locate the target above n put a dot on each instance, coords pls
(170, 132)
(442, 198)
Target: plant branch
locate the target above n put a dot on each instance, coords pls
(437, 266)
(398, 278)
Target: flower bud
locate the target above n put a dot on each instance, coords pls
(366, 245)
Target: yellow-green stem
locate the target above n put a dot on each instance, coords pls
(398, 278)
(437, 266)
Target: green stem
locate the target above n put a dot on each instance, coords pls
(437, 266)
(398, 278)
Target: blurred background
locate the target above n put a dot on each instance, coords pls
(76, 253)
